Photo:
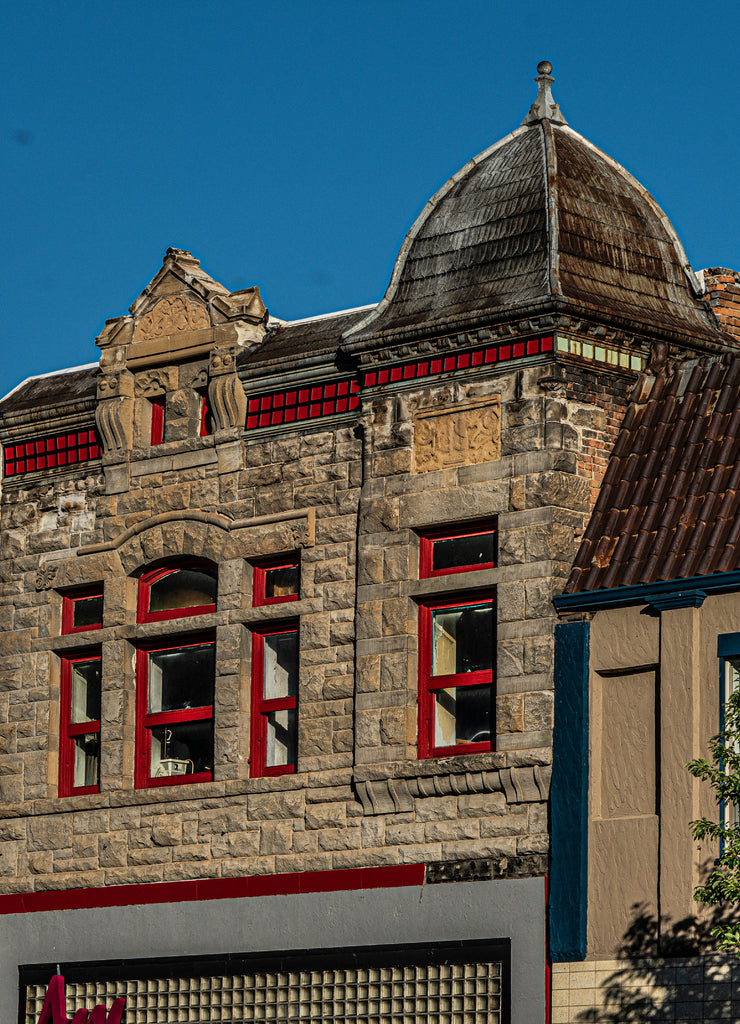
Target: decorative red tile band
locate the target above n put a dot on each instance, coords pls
(275, 408)
(499, 353)
(50, 452)
(306, 403)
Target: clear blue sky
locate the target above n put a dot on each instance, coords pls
(291, 144)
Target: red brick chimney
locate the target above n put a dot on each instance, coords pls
(723, 287)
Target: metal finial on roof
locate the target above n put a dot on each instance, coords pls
(544, 106)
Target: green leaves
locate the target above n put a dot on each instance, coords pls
(722, 772)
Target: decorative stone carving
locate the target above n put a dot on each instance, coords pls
(172, 315)
(114, 415)
(195, 379)
(461, 436)
(45, 577)
(225, 392)
(519, 785)
(152, 382)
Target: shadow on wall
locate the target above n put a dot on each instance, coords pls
(665, 974)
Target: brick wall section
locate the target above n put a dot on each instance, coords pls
(724, 296)
(603, 402)
(703, 988)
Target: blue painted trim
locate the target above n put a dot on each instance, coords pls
(644, 593)
(684, 599)
(569, 795)
(728, 645)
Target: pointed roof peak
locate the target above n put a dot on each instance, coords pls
(544, 107)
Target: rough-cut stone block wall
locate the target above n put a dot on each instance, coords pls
(353, 502)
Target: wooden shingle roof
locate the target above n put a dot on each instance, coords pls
(669, 505)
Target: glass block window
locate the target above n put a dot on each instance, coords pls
(383, 993)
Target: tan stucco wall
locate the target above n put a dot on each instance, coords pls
(654, 703)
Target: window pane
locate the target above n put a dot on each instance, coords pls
(181, 678)
(182, 749)
(85, 691)
(453, 552)
(282, 582)
(87, 611)
(462, 714)
(183, 588)
(87, 760)
(462, 639)
(282, 737)
(281, 665)
(732, 683)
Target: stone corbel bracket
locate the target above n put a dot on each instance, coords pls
(530, 784)
(114, 412)
(225, 390)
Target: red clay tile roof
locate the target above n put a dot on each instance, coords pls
(669, 506)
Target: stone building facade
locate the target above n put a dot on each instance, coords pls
(277, 648)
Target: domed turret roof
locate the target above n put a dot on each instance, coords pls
(541, 221)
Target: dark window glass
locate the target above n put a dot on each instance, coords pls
(281, 582)
(183, 588)
(87, 611)
(462, 639)
(462, 714)
(453, 552)
(282, 737)
(86, 760)
(85, 691)
(183, 748)
(181, 678)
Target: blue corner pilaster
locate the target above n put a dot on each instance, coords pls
(569, 795)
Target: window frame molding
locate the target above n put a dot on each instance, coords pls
(428, 538)
(428, 684)
(146, 721)
(157, 407)
(69, 730)
(261, 567)
(156, 574)
(70, 597)
(261, 706)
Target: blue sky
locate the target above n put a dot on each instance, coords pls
(291, 145)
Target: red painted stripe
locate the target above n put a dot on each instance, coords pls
(213, 889)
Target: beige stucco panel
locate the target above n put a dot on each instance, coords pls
(624, 638)
(623, 881)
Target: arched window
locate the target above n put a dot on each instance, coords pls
(173, 591)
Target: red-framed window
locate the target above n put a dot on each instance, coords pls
(274, 730)
(177, 590)
(82, 609)
(276, 580)
(205, 426)
(174, 711)
(79, 741)
(460, 549)
(157, 409)
(457, 653)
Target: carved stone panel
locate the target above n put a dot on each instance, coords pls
(171, 315)
(460, 436)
